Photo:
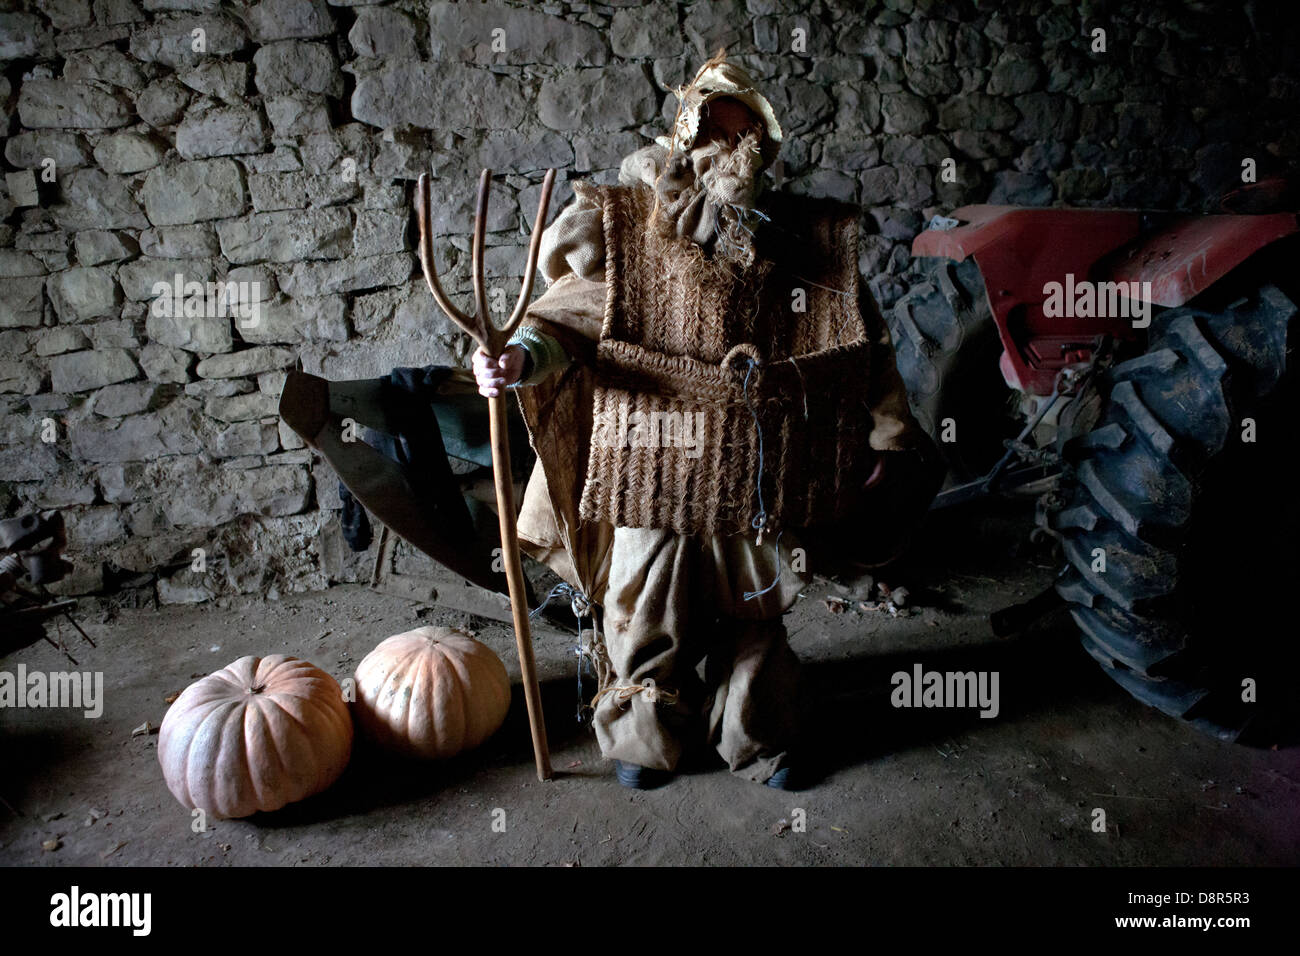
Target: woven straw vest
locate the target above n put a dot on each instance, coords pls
(714, 380)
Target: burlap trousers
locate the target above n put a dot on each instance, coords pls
(673, 601)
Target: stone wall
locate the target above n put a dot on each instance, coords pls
(276, 144)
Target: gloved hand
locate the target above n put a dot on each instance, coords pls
(494, 374)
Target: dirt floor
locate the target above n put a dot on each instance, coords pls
(898, 786)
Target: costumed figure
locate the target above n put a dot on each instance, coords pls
(712, 396)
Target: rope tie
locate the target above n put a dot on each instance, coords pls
(580, 605)
(776, 546)
(623, 693)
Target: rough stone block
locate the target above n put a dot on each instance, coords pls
(22, 188)
(193, 333)
(96, 246)
(93, 527)
(175, 430)
(162, 102)
(300, 319)
(171, 41)
(222, 131)
(347, 275)
(647, 31)
(290, 20)
(224, 80)
(383, 32)
(32, 149)
(58, 104)
(104, 65)
(240, 408)
(614, 97)
(193, 192)
(22, 302)
(113, 334)
(379, 231)
(93, 199)
(291, 66)
(82, 371)
(469, 32)
(246, 362)
(246, 438)
(287, 236)
(180, 242)
(143, 279)
(127, 398)
(19, 377)
(59, 339)
(14, 262)
(84, 293)
(215, 496)
(293, 116)
(439, 96)
(165, 364)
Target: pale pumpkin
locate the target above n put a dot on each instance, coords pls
(432, 692)
(256, 735)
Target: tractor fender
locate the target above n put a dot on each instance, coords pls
(1191, 253)
(1019, 251)
(984, 227)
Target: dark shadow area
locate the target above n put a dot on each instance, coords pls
(28, 755)
(849, 717)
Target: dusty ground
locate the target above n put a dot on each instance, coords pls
(901, 786)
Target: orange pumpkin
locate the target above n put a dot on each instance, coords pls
(256, 735)
(431, 692)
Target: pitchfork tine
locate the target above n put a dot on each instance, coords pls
(424, 211)
(534, 246)
(480, 326)
(476, 263)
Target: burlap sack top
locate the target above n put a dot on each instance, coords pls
(722, 78)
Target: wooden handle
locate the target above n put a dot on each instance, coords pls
(515, 577)
(492, 339)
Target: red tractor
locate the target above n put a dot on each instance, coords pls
(1132, 371)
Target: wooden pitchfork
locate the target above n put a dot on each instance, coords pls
(493, 341)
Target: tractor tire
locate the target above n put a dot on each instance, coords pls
(946, 346)
(1179, 530)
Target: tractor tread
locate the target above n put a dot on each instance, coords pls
(1122, 647)
(937, 326)
(1126, 395)
(1130, 487)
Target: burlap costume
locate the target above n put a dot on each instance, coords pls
(669, 598)
(738, 352)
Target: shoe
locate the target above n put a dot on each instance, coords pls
(636, 777)
(783, 779)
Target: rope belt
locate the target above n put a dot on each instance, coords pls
(623, 693)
